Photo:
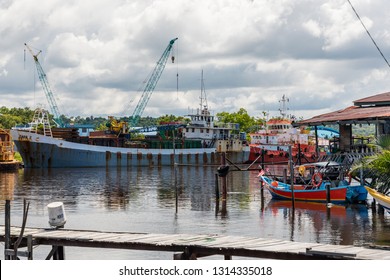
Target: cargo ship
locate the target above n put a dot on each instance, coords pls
(43, 147)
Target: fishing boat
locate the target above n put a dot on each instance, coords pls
(322, 186)
(382, 199)
(322, 193)
(44, 147)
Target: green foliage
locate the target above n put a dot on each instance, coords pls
(246, 122)
(15, 116)
(172, 118)
(377, 167)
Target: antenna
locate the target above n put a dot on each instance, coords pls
(283, 106)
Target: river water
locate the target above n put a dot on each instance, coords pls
(151, 200)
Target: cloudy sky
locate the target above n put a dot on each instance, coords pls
(97, 54)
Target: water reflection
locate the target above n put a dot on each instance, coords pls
(151, 200)
(7, 184)
(338, 224)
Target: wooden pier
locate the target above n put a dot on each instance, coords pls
(184, 246)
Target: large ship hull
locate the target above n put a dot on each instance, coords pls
(39, 151)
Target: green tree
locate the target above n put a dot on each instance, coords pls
(171, 118)
(377, 166)
(15, 116)
(241, 117)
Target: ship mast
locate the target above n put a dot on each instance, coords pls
(283, 106)
(203, 97)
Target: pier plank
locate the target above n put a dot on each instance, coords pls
(198, 244)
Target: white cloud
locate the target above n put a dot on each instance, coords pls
(97, 54)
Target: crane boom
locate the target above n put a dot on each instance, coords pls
(151, 84)
(46, 87)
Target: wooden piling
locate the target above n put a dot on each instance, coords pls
(7, 241)
(327, 193)
(223, 178)
(291, 163)
(216, 187)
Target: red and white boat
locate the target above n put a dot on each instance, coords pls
(274, 139)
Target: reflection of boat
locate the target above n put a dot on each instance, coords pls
(280, 190)
(336, 210)
(381, 198)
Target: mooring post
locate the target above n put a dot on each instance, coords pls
(7, 241)
(328, 193)
(291, 162)
(261, 181)
(216, 187)
(224, 182)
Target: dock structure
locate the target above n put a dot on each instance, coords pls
(185, 246)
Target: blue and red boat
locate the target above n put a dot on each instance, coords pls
(283, 191)
(323, 192)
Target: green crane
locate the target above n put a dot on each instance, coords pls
(151, 84)
(46, 87)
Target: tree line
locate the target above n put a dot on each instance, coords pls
(11, 117)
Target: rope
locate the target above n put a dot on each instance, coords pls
(372, 39)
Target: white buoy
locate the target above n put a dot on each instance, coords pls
(57, 217)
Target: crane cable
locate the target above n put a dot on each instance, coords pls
(372, 39)
(176, 51)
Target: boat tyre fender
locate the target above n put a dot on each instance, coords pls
(316, 179)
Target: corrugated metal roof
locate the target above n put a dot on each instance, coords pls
(350, 115)
(366, 110)
(379, 99)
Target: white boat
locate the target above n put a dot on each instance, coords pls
(213, 134)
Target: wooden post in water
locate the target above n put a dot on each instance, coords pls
(291, 162)
(7, 184)
(261, 181)
(299, 160)
(7, 243)
(316, 136)
(327, 193)
(285, 175)
(224, 182)
(216, 187)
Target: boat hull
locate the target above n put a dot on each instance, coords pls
(382, 199)
(283, 192)
(39, 151)
(280, 157)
